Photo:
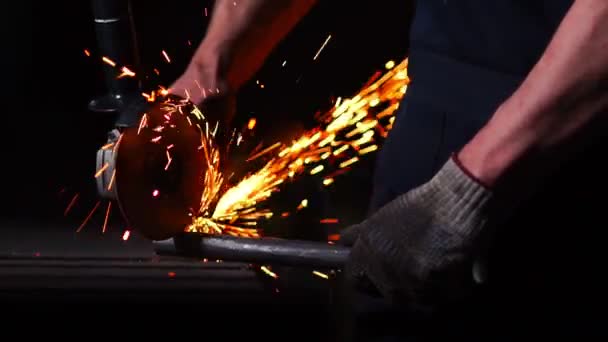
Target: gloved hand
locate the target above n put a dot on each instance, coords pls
(418, 249)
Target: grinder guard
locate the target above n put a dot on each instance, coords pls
(158, 197)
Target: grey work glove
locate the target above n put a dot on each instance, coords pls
(418, 249)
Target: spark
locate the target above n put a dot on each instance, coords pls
(142, 123)
(329, 220)
(156, 72)
(234, 206)
(333, 237)
(126, 72)
(87, 53)
(264, 151)
(105, 222)
(112, 180)
(205, 11)
(389, 65)
(349, 162)
(368, 149)
(166, 56)
(70, 205)
(217, 125)
(107, 146)
(86, 220)
(303, 204)
(320, 274)
(169, 159)
(284, 63)
(171, 274)
(269, 272)
(322, 47)
(340, 150)
(157, 139)
(108, 61)
(170, 147)
(100, 171)
(126, 235)
(316, 170)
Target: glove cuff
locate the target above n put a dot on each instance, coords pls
(460, 197)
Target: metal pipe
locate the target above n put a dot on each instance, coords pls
(264, 250)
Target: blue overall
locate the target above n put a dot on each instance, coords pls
(466, 58)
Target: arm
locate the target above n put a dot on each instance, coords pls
(238, 40)
(553, 111)
(417, 249)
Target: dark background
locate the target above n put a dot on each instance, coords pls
(50, 138)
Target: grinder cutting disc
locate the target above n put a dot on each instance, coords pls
(159, 171)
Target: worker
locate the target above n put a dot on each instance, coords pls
(487, 203)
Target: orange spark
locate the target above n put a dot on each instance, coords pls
(285, 214)
(368, 149)
(269, 272)
(169, 159)
(349, 162)
(142, 123)
(108, 61)
(126, 235)
(333, 237)
(251, 123)
(152, 96)
(171, 274)
(105, 222)
(166, 56)
(320, 274)
(316, 170)
(88, 217)
(328, 181)
(264, 151)
(303, 204)
(103, 168)
(126, 72)
(156, 71)
(156, 139)
(112, 180)
(70, 205)
(340, 150)
(329, 220)
(155, 193)
(87, 53)
(107, 146)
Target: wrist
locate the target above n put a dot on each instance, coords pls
(213, 61)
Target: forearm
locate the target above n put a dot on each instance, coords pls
(242, 34)
(557, 104)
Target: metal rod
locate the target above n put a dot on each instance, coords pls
(264, 250)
